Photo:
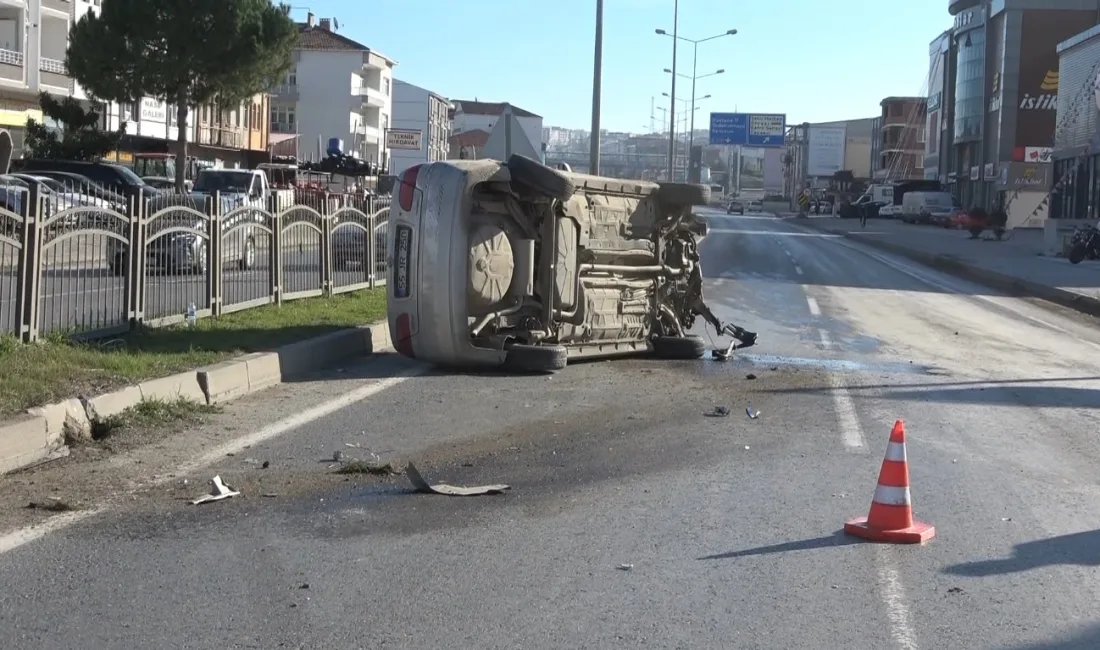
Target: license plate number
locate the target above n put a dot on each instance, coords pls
(402, 239)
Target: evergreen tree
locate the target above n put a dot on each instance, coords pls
(80, 136)
(184, 52)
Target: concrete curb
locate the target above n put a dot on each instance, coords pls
(1007, 283)
(40, 434)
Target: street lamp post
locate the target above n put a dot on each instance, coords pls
(597, 83)
(694, 73)
(672, 104)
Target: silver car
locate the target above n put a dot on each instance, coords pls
(526, 266)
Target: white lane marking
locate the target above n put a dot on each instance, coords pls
(15, 539)
(850, 430)
(774, 233)
(798, 269)
(826, 340)
(815, 309)
(892, 593)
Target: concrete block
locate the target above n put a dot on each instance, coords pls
(23, 441)
(264, 370)
(182, 385)
(379, 335)
(223, 381)
(65, 420)
(322, 351)
(104, 406)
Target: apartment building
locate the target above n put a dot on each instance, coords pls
(34, 35)
(231, 137)
(419, 109)
(901, 150)
(338, 88)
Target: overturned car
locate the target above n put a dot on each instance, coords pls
(525, 266)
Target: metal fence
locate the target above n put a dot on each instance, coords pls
(86, 262)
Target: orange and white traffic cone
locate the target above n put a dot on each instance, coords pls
(891, 516)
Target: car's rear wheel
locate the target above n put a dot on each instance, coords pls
(679, 347)
(536, 358)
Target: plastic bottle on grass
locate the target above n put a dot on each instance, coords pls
(191, 316)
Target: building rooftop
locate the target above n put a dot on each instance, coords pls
(321, 38)
(475, 138)
(489, 108)
(898, 100)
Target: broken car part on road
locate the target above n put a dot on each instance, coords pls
(526, 266)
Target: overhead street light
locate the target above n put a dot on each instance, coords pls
(694, 72)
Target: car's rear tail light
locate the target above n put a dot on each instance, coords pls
(408, 186)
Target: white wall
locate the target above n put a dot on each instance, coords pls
(411, 107)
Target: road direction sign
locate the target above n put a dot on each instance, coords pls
(748, 129)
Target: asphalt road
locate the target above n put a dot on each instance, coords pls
(729, 526)
(86, 297)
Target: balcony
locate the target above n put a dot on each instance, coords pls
(286, 92)
(11, 65)
(218, 136)
(372, 97)
(54, 74)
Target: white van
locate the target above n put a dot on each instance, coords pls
(526, 266)
(928, 207)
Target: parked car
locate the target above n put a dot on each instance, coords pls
(735, 207)
(756, 206)
(525, 266)
(935, 208)
(117, 178)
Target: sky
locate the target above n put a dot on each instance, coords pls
(814, 61)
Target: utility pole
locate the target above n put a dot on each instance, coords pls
(672, 104)
(597, 82)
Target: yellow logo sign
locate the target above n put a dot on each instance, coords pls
(1050, 81)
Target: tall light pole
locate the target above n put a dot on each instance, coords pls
(672, 104)
(694, 71)
(597, 83)
(694, 108)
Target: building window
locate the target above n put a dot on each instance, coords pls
(283, 119)
(386, 85)
(970, 84)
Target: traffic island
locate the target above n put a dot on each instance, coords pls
(59, 388)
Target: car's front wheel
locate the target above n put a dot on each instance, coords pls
(679, 347)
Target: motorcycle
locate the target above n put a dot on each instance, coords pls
(1085, 243)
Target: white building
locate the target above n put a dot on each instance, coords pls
(483, 116)
(339, 88)
(419, 109)
(34, 35)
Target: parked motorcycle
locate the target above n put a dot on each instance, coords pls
(1085, 243)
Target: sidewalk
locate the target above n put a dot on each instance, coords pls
(1013, 265)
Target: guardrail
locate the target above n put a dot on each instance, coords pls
(91, 263)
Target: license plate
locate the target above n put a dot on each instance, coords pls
(402, 239)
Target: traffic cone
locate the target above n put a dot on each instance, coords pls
(891, 516)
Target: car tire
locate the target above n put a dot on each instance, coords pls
(536, 358)
(679, 347)
(540, 178)
(683, 194)
(248, 257)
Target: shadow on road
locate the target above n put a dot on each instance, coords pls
(1080, 549)
(828, 541)
(1011, 392)
(1086, 639)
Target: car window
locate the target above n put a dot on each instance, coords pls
(128, 175)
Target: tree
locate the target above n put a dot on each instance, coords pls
(184, 52)
(80, 137)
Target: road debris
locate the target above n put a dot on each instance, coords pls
(625, 567)
(368, 467)
(718, 412)
(751, 412)
(218, 491)
(724, 355)
(51, 504)
(750, 376)
(423, 486)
